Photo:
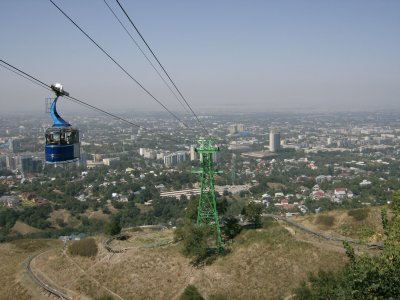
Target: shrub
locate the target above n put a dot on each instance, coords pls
(359, 214)
(218, 297)
(114, 226)
(86, 247)
(325, 220)
(231, 228)
(191, 293)
(106, 297)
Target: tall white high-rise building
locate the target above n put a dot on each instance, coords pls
(274, 141)
(193, 154)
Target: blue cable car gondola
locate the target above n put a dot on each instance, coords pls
(62, 140)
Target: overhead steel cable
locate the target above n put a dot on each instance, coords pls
(26, 74)
(166, 73)
(73, 99)
(147, 58)
(119, 65)
(27, 78)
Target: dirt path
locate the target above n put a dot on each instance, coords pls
(42, 280)
(307, 238)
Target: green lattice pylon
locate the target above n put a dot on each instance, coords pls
(207, 213)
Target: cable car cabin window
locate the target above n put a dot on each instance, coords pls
(53, 138)
(65, 137)
(69, 137)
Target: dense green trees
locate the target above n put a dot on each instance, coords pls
(36, 216)
(169, 209)
(8, 217)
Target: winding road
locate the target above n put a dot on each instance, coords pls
(40, 282)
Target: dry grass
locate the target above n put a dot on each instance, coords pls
(86, 247)
(63, 215)
(14, 283)
(359, 214)
(263, 264)
(325, 220)
(364, 224)
(98, 214)
(23, 228)
(145, 238)
(276, 185)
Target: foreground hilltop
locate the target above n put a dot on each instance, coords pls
(266, 263)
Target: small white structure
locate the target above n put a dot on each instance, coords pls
(365, 183)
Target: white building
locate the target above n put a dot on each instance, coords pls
(175, 158)
(274, 141)
(365, 183)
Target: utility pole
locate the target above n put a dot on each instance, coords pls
(207, 213)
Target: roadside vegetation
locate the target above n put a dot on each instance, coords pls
(365, 276)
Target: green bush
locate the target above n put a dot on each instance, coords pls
(359, 214)
(325, 220)
(114, 226)
(191, 293)
(231, 228)
(86, 247)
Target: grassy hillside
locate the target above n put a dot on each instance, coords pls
(23, 228)
(363, 224)
(14, 283)
(263, 264)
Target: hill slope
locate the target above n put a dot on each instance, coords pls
(362, 224)
(263, 264)
(14, 282)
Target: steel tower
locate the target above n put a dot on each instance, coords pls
(207, 213)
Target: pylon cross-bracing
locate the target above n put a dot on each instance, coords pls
(207, 213)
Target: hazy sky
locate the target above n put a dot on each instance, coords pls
(224, 55)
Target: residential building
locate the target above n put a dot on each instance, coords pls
(274, 141)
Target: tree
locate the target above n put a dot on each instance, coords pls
(3, 189)
(114, 226)
(222, 206)
(253, 213)
(231, 227)
(195, 242)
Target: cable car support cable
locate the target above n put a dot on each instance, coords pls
(122, 68)
(147, 58)
(166, 73)
(78, 101)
